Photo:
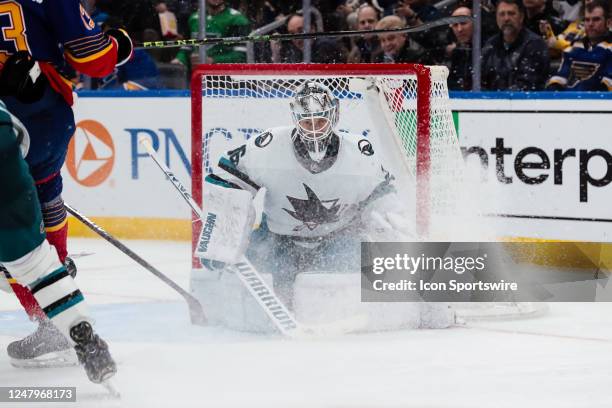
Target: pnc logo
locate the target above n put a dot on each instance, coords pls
(91, 154)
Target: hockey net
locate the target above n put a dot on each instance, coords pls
(402, 108)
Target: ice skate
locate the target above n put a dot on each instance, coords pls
(46, 347)
(93, 353)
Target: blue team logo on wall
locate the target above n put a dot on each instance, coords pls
(87, 21)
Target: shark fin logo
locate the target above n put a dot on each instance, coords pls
(91, 154)
(313, 211)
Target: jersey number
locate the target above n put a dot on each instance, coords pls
(13, 32)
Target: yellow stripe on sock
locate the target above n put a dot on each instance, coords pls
(56, 227)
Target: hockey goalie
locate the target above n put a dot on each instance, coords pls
(297, 201)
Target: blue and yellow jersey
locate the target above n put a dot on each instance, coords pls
(574, 32)
(585, 67)
(60, 35)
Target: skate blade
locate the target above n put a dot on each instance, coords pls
(112, 390)
(65, 358)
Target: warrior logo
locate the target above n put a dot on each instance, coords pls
(312, 211)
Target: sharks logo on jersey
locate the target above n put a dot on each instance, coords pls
(304, 197)
(313, 211)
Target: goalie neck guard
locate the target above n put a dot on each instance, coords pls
(315, 115)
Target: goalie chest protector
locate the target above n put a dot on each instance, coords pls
(306, 203)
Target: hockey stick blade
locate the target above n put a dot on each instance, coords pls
(301, 36)
(196, 311)
(276, 310)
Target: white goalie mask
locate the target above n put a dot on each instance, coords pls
(315, 115)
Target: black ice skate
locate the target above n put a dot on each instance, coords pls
(93, 353)
(70, 266)
(46, 347)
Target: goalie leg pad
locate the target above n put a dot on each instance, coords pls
(228, 303)
(324, 297)
(227, 223)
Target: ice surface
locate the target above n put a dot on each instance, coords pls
(560, 360)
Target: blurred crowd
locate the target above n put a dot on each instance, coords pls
(525, 45)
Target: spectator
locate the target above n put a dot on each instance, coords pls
(138, 74)
(587, 65)
(221, 21)
(569, 10)
(167, 21)
(434, 41)
(540, 17)
(388, 6)
(367, 47)
(398, 47)
(324, 50)
(335, 13)
(183, 9)
(459, 52)
(573, 32)
(259, 12)
(416, 12)
(137, 15)
(515, 58)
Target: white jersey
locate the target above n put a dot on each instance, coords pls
(306, 198)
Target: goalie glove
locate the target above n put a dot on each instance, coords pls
(22, 78)
(125, 47)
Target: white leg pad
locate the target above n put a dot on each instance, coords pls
(322, 298)
(228, 303)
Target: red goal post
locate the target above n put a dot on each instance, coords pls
(411, 92)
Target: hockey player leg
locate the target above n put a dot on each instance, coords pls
(25, 297)
(64, 305)
(50, 131)
(29, 259)
(46, 347)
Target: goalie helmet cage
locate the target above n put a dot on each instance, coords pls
(410, 109)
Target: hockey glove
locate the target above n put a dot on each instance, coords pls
(22, 78)
(125, 48)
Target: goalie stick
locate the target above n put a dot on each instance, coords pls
(300, 36)
(196, 312)
(248, 275)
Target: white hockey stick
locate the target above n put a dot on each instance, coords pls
(276, 310)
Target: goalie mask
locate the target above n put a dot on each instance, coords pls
(315, 115)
